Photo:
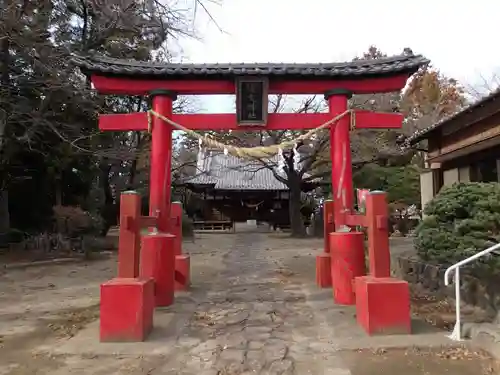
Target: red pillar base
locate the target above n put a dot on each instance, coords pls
(127, 307)
(158, 263)
(328, 225)
(182, 272)
(176, 226)
(383, 305)
(323, 271)
(348, 262)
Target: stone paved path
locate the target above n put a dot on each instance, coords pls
(253, 309)
(252, 321)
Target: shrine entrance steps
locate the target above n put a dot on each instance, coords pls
(254, 307)
(250, 226)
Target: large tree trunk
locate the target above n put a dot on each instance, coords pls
(5, 82)
(296, 224)
(109, 209)
(4, 212)
(318, 223)
(134, 164)
(58, 191)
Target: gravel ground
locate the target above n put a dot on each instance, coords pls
(253, 309)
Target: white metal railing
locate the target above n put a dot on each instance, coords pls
(457, 334)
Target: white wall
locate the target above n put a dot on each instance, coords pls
(426, 187)
(464, 174)
(450, 177)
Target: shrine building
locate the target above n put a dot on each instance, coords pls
(237, 190)
(462, 148)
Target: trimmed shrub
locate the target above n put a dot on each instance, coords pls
(459, 222)
(72, 221)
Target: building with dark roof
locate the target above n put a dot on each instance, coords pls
(237, 190)
(464, 147)
(227, 172)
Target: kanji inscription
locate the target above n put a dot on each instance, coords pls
(252, 100)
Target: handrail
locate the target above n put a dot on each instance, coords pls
(456, 333)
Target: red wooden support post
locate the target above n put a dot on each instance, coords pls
(126, 310)
(182, 261)
(340, 150)
(158, 262)
(323, 270)
(382, 302)
(129, 240)
(323, 261)
(383, 305)
(348, 262)
(161, 155)
(377, 222)
(182, 272)
(328, 225)
(176, 226)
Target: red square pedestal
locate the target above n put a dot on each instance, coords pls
(323, 271)
(127, 307)
(158, 263)
(182, 271)
(383, 305)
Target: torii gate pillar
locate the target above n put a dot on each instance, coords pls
(342, 187)
(161, 156)
(340, 152)
(158, 259)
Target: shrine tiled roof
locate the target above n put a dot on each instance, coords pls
(227, 172)
(404, 63)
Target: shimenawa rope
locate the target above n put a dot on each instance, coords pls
(251, 152)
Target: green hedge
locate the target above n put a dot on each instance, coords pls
(460, 221)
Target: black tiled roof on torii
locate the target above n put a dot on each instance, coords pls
(405, 63)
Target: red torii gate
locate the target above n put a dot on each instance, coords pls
(132, 294)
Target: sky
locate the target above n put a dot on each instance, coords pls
(455, 36)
